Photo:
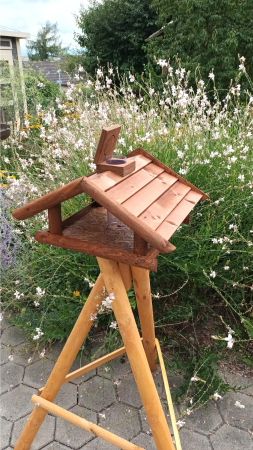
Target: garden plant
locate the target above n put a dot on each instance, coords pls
(202, 292)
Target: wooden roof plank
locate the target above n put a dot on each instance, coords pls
(107, 180)
(176, 217)
(126, 216)
(141, 151)
(133, 184)
(149, 194)
(158, 211)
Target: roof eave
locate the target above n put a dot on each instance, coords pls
(15, 34)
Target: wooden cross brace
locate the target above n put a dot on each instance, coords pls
(141, 352)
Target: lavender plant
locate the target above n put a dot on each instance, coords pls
(9, 235)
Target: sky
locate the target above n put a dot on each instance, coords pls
(29, 15)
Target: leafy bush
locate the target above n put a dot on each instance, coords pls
(205, 34)
(114, 31)
(46, 95)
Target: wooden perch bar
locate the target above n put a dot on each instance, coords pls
(84, 424)
(104, 359)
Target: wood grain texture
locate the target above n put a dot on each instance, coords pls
(155, 214)
(141, 151)
(93, 365)
(140, 246)
(109, 179)
(168, 395)
(120, 169)
(63, 364)
(49, 200)
(107, 143)
(126, 217)
(149, 194)
(136, 355)
(79, 214)
(177, 216)
(153, 252)
(187, 220)
(126, 275)
(145, 309)
(93, 228)
(96, 250)
(82, 423)
(54, 219)
(133, 184)
(105, 180)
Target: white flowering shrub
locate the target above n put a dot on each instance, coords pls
(208, 141)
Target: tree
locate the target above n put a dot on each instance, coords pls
(114, 31)
(46, 45)
(209, 33)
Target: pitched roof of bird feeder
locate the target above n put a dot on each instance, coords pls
(149, 198)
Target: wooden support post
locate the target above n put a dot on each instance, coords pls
(145, 309)
(80, 422)
(63, 364)
(54, 218)
(168, 395)
(140, 245)
(126, 275)
(136, 355)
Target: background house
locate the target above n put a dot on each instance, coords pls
(13, 100)
(50, 70)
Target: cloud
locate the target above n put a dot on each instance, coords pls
(29, 15)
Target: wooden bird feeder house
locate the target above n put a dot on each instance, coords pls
(138, 204)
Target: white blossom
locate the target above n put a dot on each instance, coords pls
(217, 396)
(180, 423)
(40, 292)
(194, 378)
(230, 340)
(239, 404)
(43, 352)
(93, 316)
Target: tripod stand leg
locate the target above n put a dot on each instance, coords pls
(136, 355)
(126, 275)
(63, 365)
(145, 309)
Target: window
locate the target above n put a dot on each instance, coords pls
(5, 43)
